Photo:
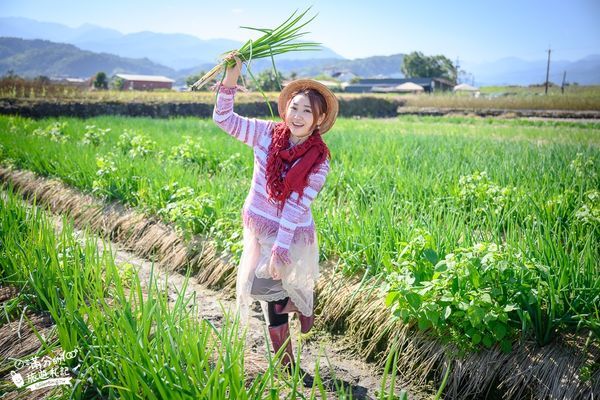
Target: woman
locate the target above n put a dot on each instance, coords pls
(280, 259)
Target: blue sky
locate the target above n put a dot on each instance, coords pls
(473, 31)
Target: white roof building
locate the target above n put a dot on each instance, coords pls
(145, 78)
(407, 87)
(463, 87)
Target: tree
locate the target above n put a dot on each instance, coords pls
(100, 81)
(42, 80)
(418, 65)
(266, 81)
(118, 83)
(190, 80)
(10, 74)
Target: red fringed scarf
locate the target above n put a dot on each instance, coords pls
(312, 152)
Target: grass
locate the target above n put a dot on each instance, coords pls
(403, 195)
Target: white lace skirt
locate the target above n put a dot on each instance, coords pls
(297, 279)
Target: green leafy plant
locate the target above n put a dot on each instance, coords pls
(589, 212)
(189, 211)
(136, 145)
(191, 151)
(107, 169)
(56, 132)
(94, 135)
(481, 293)
(479, 195)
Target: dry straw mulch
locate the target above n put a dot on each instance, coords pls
(344, 305)
(18, 339)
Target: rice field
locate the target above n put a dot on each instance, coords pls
(483, 231)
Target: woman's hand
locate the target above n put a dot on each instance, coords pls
(232, 73)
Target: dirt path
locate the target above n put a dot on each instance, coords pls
(336, 365)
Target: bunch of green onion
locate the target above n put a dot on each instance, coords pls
(274, 41)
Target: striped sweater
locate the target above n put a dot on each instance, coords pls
(258, 212)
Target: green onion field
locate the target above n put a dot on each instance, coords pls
(483, 232)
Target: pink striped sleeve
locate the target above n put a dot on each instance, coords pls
(246, 130)
(294, 210)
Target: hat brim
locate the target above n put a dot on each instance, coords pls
(303, 84)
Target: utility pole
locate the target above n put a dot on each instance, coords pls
(547, 71)
(562, 86)
(457, 66)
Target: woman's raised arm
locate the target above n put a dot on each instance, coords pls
(246, 130)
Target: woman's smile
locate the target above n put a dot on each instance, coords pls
(299, 117)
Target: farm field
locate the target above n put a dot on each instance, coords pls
(575, 98)
(121, 328)
(513, 98)
(480, 233)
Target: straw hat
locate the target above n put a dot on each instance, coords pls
(302, 84)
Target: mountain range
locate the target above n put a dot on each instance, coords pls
(32, 48)
(31, 58)
(174, 50)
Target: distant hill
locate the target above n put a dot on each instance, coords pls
(177, 51)
(31, 58)
(515, 71)
(388, 66)
(26, 28)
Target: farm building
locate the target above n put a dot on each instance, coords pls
(145, 82)
(407, 87)
(429, 85)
